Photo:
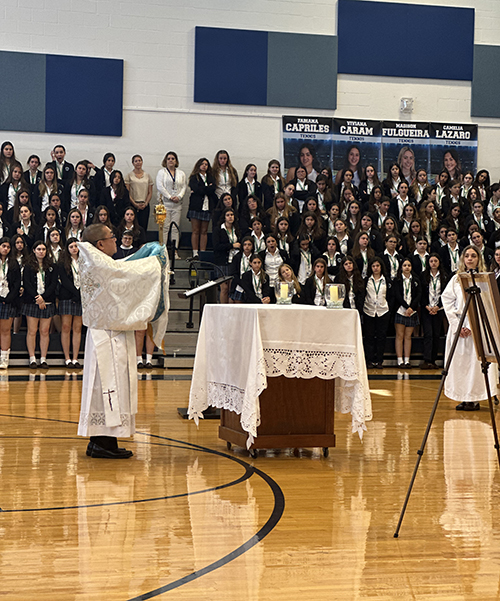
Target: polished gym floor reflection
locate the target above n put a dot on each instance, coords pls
(187, 519)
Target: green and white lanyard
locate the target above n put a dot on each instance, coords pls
(60, 169)
(454, 258)
(283, 244)
(394, 264)
(423, 260)
(306, 255)
(245, 264)
(301, 185)
(276, 183)
(364, 256)
(257, 284)
(321, 290)
(76, 274)
(251, 187)
(407, 287)
(377, 289)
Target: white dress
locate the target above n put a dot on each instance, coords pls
(118, 297)
(465, 380)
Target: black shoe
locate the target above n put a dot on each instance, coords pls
(44, 365)
(407, 366)
(94, 450)
(461, 406)
(77, 364)
(140, 365)
(148, 365)
(471, 407)
(33, 365)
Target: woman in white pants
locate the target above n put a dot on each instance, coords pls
(171, 185)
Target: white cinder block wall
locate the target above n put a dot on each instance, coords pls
(156, 40)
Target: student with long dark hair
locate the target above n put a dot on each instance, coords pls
(171, 185)
(407, 294)
(333, 256)
(79, 180)
(10, 285)
(306, 158)
(376, 312)
(225, 175)
(102, 177)
(201, 203)
(272, 183)
(13, 186)
(239, 266)
(434, 280)
(350, 276)
(226, 242)
(249, 184)
(255, 284)
(70, 302)
(315, 286)
(115, 197)
(352, 162)
(39, 298)
(7, 159)
(391, 183)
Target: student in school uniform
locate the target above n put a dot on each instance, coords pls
(376, 312)
(279, 209)
(255, 284)
(116, 198)
(252, 208)
(79, 180)
(362, 252)
(225, 175)
(272, 183)
(226, 201)
(54, 241)
(482, 182)
(420, 257)
(391, 258)
(249, 184)
(257, 235)
(285, 274)
(350, 276)
(33, 174)
(64, 170)
(391, 183)
(400, 201)
(202, 202)
(478, 216)
(315, 286)
(324, 196)
(48, 185)
(22, 199)
(441, 239)
(10, 285)
(12, 186)
(333, 256)
(226, 243)
(49, 221)
(369, 181)
(434, 280)
(311, 227)
(239, 266)
(304, 187)
(86, 211)
(304, 253)
(4, 224)
(283, 235)
(55, 202)
(39, 299)
(347, 181)
(25, 227)
(102, 177)
(366, 225)
(70, 302)
(450, 254)
(272, 258)
(342, 235)
(478, 241)
(407, 295)
(131, 224)
(74, 225)
(7, 159)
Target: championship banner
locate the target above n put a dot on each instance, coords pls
(453, 146)
(307, 136)
(407, 144)
(356, 144)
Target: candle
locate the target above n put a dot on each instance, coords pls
(283, 290)
(334, 293)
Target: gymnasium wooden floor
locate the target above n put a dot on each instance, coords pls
(186, 519)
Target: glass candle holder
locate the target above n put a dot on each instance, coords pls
(284, 292)
(334, 296)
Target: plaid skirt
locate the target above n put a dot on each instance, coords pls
(409, 322)
(237, 296)
(7, 311)
(200, 215)
(33, 310)
(69, 307)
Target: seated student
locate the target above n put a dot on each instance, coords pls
(22, 200)
(126, 247)
(70, 302)
(407, 294)
(33, 175)
(350, 276)
(252, 208)
(239, 266)
(315, 285)
(304, 187)
(366, 225)
(450, 253)
(131, 223)
(55, 202)
(342, 235)
(39, 298)
(272, 258)
(304, 253)
(257, 235)
(441, 240)
(49, 222)
(255, 284)
(10, 286)
(376, 312)
(434, 280)
(333, 256)
(391, 258)
(12, 186)
(249, 184)
(311, 227)
(226, 201)
(25, 227)
(272, 183)
(419, 257)
(279, 209)
(478, 241)
(285, 274)
(479, 217)
(283, 234)
(324, 196)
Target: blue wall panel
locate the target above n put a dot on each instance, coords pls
(405, 40)
(486, 82)
(22, 93)
(312, 59)
(84, 95)
(243, 79)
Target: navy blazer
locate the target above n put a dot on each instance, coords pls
(30, 285)
(198, 192)
(246, 283)
(416, 293)
(14, 282)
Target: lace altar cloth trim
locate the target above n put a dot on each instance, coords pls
(99, 419)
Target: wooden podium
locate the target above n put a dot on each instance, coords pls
(294, 413)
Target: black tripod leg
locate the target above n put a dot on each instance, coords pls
(420, 452)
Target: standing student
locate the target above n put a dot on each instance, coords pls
(450, 253)
(283, 235)
(252, 208)
(10, 285)
(64, 170)
(39, 298)
(116, 197)
(367, 184)
(226, 201)
(70, 302)
(350, 276)
(53, 243)
(442, 182)
(482, 182)
(272, 183)
(304, 187)
(249, 184)
(465, 380)
(4, 225)
(362, 252)
(25, 227)
(311, 227)
(226, 244)
(257, 235)
(419, 185)
(255, 284)
(240, 265)
(7, 159)
(225, 175)
(391, 258)
(48, 185)
(12, 186)
(429, 221)
(324, 196)
(391, 183)
(477, 239)
(407, 294)
(140, 189)
(171, 184)
(342, 235)
(347, 182)
(22, 199)
(279, 209)
(86, 211)
(468, 181)
(401, 199)
(129, 223)
(201, 203)
(409, 215)
(433, 280)
(102, 177)
(315, 285)
(48, 223)
(420, 257)
(333, 256)
(376, 312)
(79, 180)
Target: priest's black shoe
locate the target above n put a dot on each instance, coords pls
(94, 450)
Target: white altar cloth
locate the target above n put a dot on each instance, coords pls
(240, 346)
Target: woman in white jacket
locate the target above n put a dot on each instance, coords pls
(171, 185)
(465, 380)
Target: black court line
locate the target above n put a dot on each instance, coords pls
(37, 377)
(271, 523)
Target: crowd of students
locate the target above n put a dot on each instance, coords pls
(394, 243)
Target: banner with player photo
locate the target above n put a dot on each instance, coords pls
(408, 145)
(307, 141)
(454, 147)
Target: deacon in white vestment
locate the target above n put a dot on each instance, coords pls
(118, 297)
